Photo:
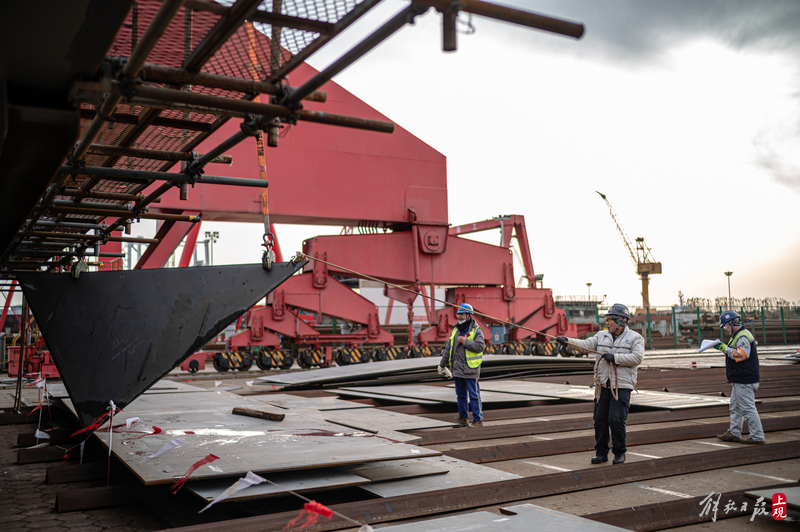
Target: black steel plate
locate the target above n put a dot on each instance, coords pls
(113, 334)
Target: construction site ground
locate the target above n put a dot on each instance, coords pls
(28, 503)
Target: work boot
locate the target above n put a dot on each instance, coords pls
(619, 459)
(477, 423)
(727, 437)
(599, 459)
(748, 439)
(462, 422)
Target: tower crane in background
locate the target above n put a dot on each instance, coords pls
(642, 258)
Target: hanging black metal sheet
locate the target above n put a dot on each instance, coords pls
(113, 334)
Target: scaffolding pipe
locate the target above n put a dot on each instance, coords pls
(71, 225)
(509, 14)
(180, 76)
(175, 123)
(80, 193)
(160, 155)
(404, 17)
(168, 10)
(147, 176)
(82, 236)
(111, 214)
(160, 97)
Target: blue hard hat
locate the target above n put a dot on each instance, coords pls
(619, 310)
(465, 308)
(726, 317)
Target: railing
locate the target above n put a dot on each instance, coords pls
(687, 326)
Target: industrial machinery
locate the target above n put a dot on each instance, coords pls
(393, 191)
(642, 258)
(36, 360)
(107, 108)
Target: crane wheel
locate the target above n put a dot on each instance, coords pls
(264, 360)
(286, 358)
(548, 349)
(218, 364)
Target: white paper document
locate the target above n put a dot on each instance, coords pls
(706, 344)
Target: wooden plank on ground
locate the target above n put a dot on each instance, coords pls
(258, 413)
(62, 474)
(41, 454)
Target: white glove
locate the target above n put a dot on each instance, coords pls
(440, 370)
(447, 373)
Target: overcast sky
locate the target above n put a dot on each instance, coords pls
(685, 114)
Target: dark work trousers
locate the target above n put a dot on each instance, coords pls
(468, 396)
(613, 413)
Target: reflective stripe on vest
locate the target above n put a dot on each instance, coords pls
(473, 359)
(743, 332)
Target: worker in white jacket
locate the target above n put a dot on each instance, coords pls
(622, 350)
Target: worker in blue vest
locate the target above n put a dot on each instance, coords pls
(741, 368)
(461, 357)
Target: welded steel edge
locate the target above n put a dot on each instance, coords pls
(147, 176)
(515, 451)
(508, 14)
(180, 76)
(565, 425)
(406, 16)
(671, 514)
(495, 493)
(159, 155)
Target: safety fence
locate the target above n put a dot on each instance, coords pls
(687, 326)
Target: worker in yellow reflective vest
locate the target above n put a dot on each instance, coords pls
(461, 358)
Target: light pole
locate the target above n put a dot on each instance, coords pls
(213, 237)
(728, 275)
(589, 285)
